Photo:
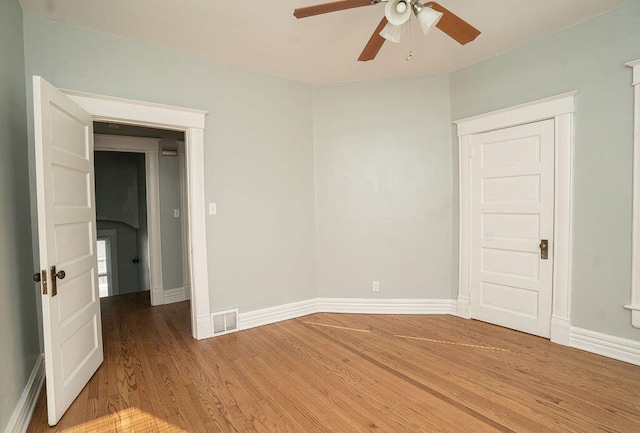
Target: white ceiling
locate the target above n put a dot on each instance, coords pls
(265, 36)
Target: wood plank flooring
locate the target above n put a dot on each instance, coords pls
(342, 373)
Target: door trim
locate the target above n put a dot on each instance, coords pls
(192, 122)
(560, 108)
(186, 282)
(634, 305)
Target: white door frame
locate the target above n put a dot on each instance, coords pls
(634, 305)
(184, 223)
(192, 122)
(561, 109)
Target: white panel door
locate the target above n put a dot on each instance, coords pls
(67, 240)
(512, 187)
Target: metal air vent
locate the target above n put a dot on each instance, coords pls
(225, 322)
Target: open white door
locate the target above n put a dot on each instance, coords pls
(67, 239)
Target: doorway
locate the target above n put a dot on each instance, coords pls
(121, 221)
(67, 230)
(140, 178)
(512, 227)
(192, 123)
(559, 110)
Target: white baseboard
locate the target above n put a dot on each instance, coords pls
(271, 315)
(386, 306)
(160, 296)
(174, 295)
(621, 349)
(21, 417)
(267, 316)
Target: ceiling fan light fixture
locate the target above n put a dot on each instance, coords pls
(391, 33)
(427, 17)
(397, 12)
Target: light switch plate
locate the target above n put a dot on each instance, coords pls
(176, 213)
(212, 209)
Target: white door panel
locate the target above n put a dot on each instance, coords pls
(67, 240)
(505, 187)
(511, 152)
(512, 300)
(511, 211)
(511, 263)
(515, 228)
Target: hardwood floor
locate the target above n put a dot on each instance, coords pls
(342, 373)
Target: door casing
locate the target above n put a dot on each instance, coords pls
(192, 123)
(560, 108)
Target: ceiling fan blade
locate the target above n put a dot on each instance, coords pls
(454, 26)
(375, 43)
(330, 7)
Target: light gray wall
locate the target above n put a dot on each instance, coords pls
(258, 152)
(18, 319)
(590, 58)
(383, 187)
(171, 227)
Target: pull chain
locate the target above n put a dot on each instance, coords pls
(410, 32)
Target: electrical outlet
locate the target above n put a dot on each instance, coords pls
(213, 209)
(176, 213)
(376, 286)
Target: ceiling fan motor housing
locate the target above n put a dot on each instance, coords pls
(398, 11)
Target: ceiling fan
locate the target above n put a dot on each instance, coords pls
(397, 12)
